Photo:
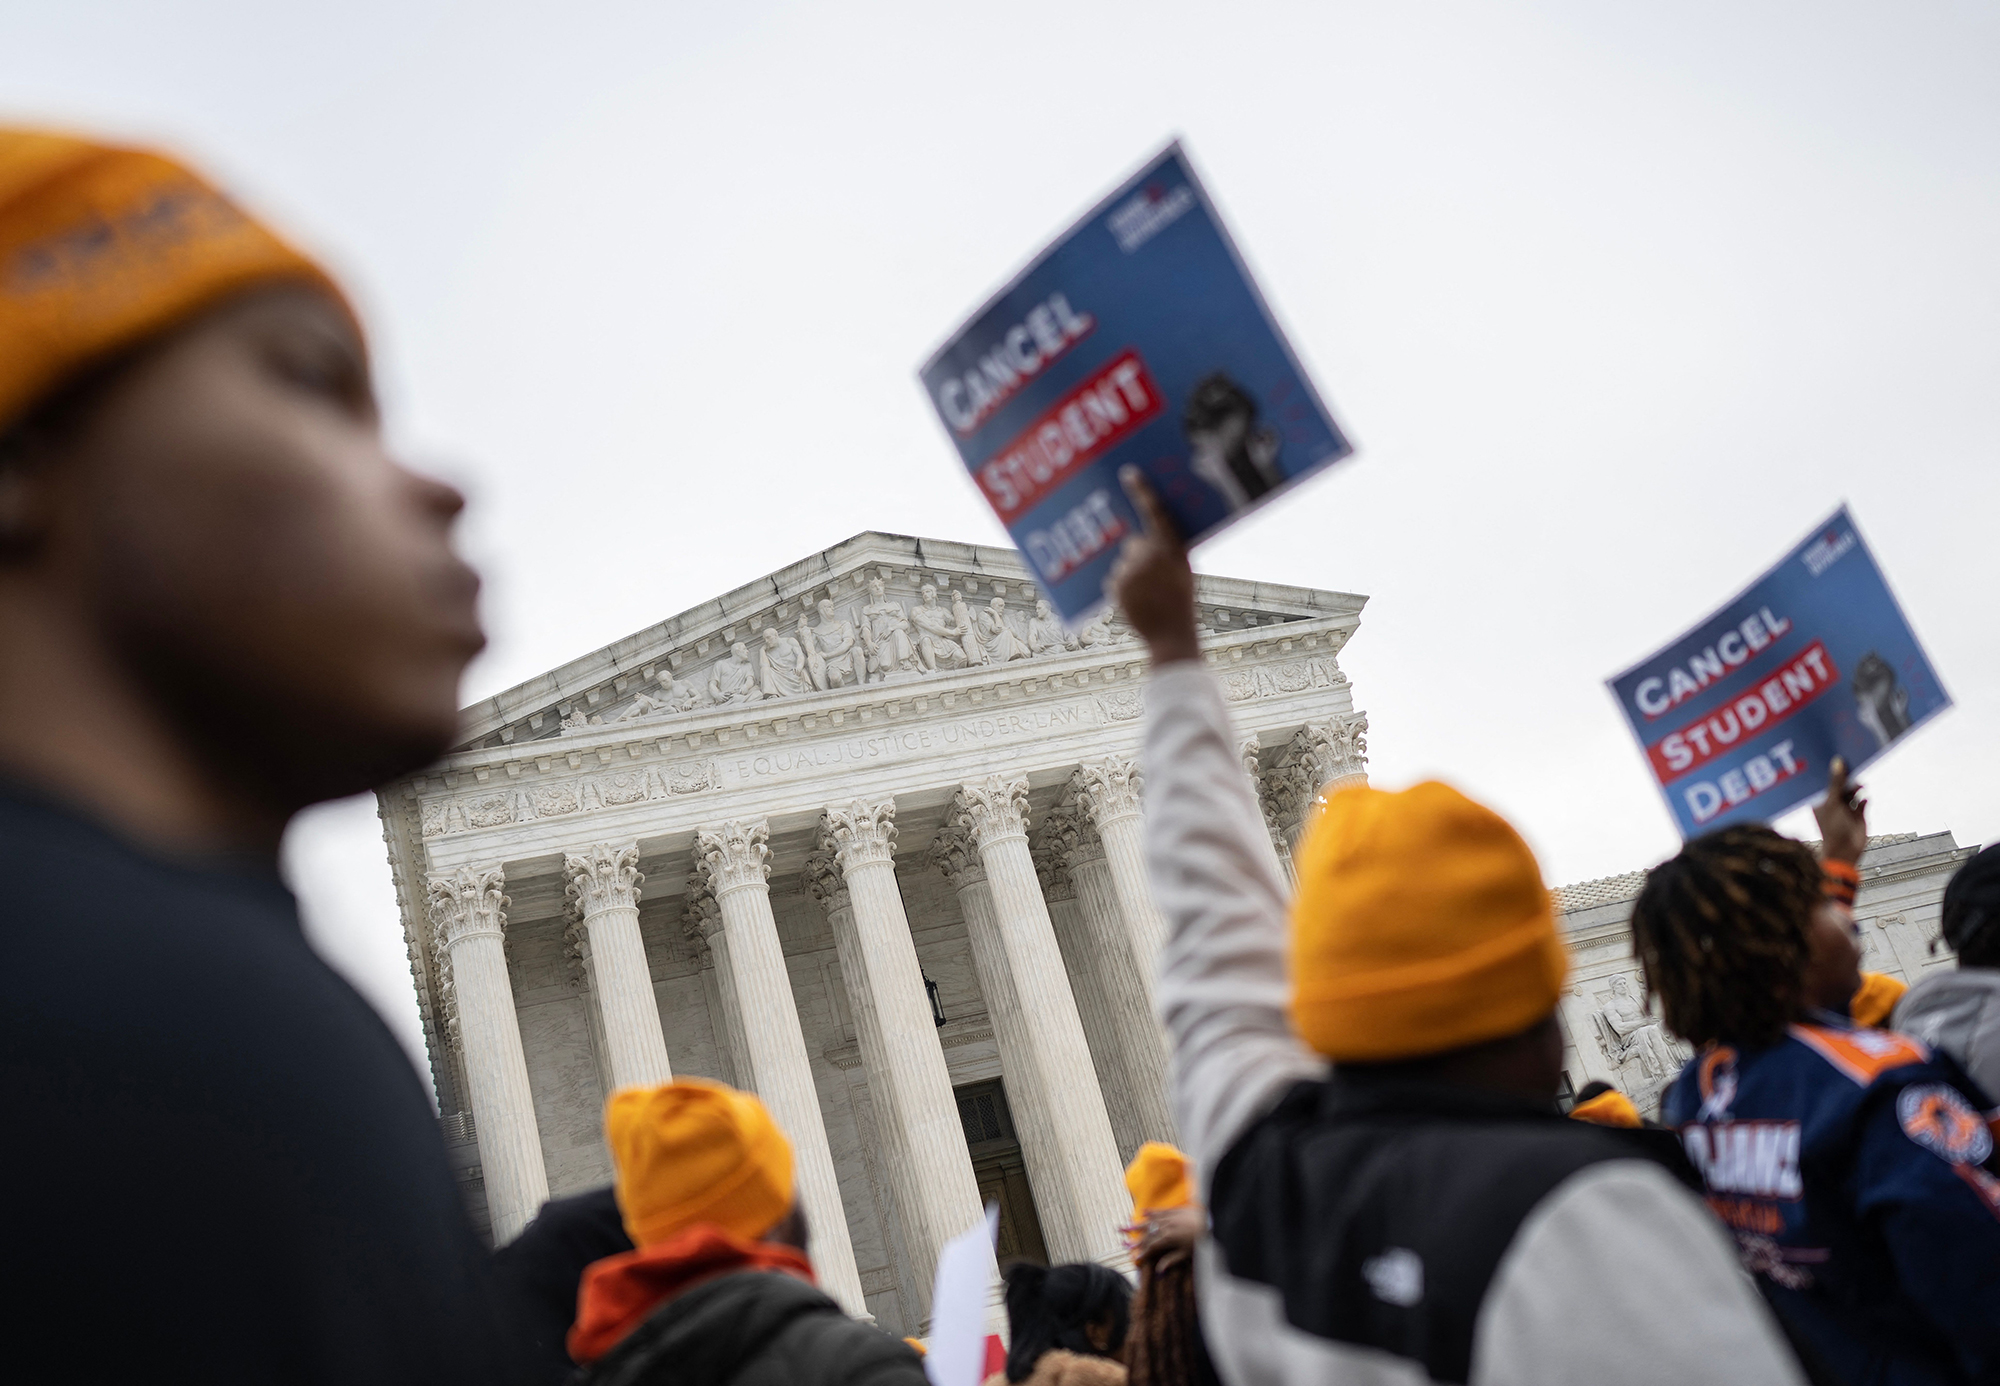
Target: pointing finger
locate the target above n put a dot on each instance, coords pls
(1152, 515)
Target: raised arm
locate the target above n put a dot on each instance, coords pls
(1223, 985)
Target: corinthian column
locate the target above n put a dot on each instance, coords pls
(468, 911)
(1086, 983)
(702, 924)
(923, 1139)
(736, 856)
(603, 887)
(1087, 1171)
(1270, 801)
(1109, 789)
(1322, 758)
(1123, 974)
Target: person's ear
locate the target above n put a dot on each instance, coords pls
(1099, 1333)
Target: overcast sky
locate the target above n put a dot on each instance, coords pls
(1618, 301)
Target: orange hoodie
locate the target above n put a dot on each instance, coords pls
(618, 1293)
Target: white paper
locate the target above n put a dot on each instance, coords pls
(958, 1305)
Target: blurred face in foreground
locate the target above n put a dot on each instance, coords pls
(218, 534)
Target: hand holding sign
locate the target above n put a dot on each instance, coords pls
(1152, 582)
(1814, 663)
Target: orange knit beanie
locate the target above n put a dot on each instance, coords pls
(692, 1151)
(1420, 925)
(101, 247)
(1158, 1178)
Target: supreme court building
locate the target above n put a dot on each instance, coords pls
(864, 837)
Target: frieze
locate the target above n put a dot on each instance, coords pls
(446, 817)
(912, 741)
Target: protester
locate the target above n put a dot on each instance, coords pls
(540, 1270)
(1423, 1208)
(1600, 1103)
(1066, 1325)
(1164, 1345)
(221, 600)
(719, 1288)
(1854, 1168)
(1959, 1012)
(1874, 1001)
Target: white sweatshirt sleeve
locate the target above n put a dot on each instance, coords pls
(1620, 1274)
(1215, 877)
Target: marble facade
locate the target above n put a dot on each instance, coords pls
(754, 841)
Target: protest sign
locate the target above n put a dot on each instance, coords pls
(1137, 337)
(957, 1354)
(1741, 718)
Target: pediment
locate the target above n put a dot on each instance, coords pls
(880, 629)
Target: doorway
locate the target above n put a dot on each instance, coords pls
(1000, 1171)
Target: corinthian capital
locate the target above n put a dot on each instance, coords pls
(992, 808)
(468, 902)
(702, 917)
(862, 833)
(1109, 788)
(736, 854)
(1067, 836)
(603, 877)
(953, 853)
(1333, 751)
(824, 880)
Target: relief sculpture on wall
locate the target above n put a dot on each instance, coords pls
(891, 639)
(1636, 1045)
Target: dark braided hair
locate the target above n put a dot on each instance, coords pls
(1165, 1346)
(1721, 932)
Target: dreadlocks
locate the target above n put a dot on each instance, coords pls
(1165, 1347)
(1721, 932)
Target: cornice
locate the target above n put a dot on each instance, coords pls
(605, 677)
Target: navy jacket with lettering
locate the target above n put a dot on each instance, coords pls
(1859, 1180)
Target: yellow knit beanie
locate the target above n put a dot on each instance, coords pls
(1159, 1177)
(1612, 1108)
(101, 247)
(1420, 925)
(692, 1151)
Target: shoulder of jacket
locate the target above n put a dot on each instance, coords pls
(1861, 1056)
(824, 1345)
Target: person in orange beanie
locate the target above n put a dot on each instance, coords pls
(222, 599)
(718, 1287)
(1164, 1346)
(1421, 1210)
(1604, 1105)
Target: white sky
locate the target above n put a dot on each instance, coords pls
(1617, 301)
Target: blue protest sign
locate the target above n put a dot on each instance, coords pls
(1741, 718)
(1137, 337)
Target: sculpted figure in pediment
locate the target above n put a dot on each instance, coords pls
(937, 632)
(1101, 630)
(829, 647)
(1047, 634)
(675, 695)
(885, 634)
(997, 635)
(781, 665)
(968, 630)
(734, 680)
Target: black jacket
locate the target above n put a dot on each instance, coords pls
(221, 1166)
(539, 1271)
(1393, 1178)
(754, 1328)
